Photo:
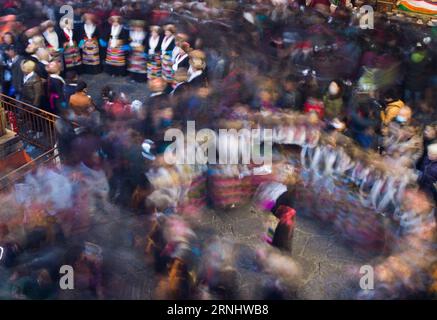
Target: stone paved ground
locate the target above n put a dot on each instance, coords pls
(323, 256)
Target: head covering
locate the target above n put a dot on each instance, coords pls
(197, 59)
(137, 23)
(170, 27)
(89, 16)
(114, 15)
(46, 24)
(155, 28)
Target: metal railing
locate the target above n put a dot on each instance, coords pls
(49, 157)
(32, 124)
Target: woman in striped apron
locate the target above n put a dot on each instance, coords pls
(167, 46)
(52, 40)
(138, 59)
(68, 39)
(154, 54)
(89, 44)
(116, 41)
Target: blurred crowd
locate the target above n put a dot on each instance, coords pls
(224, 64)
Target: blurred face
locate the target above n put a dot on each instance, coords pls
(429, 133)
(290, 86)
(89, 22)
(8, 38)
(51, 29)
(155, 34)
(168, 33)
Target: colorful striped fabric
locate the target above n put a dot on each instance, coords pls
(154, 66)
(72, 56)
(418, 6)
(115, 57)
(137, 60)
(167, 63)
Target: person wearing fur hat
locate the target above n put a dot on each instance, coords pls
(167, 46)
(182, 59)
(153, 50)
(137, 66)
(32, 88)
(69, 42)
(89, 44)
(55, 88)
(196, 72)
(115, 40)
(283, 235)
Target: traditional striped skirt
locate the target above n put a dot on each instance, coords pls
(115, 57)
(137, 61)
(154, 66)
(167, 70)
(72, 55)
(227, 191)
(90, 52)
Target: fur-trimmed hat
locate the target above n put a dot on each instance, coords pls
(170, 27)
(155, 28)
(28, 66)
(89, 16)
(137, 23)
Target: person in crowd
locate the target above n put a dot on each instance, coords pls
(196, 73)
(13, 76)
(392, 107)
(182, 59)
(417, 74)
(283, 235)
(80, 102)
(71, 80)
(32, 88)
(55, 88)
(167, 46)
(89, 44)
(429, 137)
(68, 40)
(428, 177)
(290, 97)
(52, 38)
(333, 101)
(115, 40)
(138, 57)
